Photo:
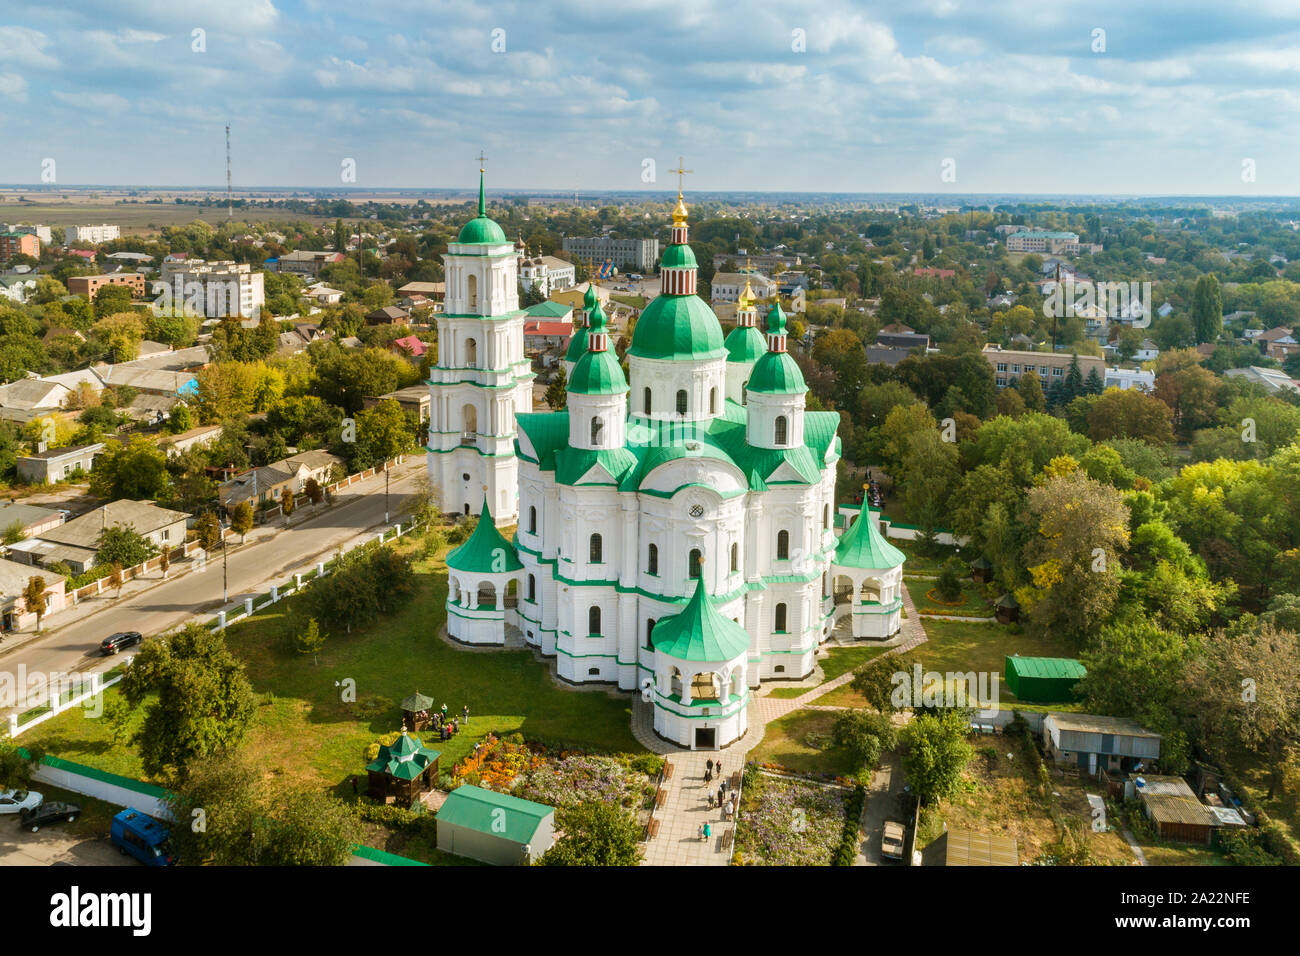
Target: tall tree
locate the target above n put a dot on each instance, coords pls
(1207, 309)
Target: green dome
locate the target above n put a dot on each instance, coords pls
(864, 547)
(677, 327)
(577, 344)
(745, 344)
(486, 551)
(777, 373)
(776, 320)
(679, 257)
(597, 373)
(700, 632)
(481, 229)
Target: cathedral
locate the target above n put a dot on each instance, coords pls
(675, 525)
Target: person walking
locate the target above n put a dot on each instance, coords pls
(699, 832)
(710, 799)
(709, 764)
(444, 710)
(708, 831)
(708, 774)
(464, 712)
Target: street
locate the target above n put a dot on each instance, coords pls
(270, 556)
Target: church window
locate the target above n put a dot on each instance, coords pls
(826, 517)
(649, 632)
(532, 589)
(532, 519)
(744, 392)
(597, 426)
(695, 562)
(697, 511)
(783, 545)
(593, 671)
(652, 562)
(713, 400)
(735, 556)
(471, 353)
(782, 428)
(681, 401)
(780, 618)
(473, 293)
(595, 549)
(646, 395)
(593, 621)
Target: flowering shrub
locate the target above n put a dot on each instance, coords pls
(560, 778)
(789, 823)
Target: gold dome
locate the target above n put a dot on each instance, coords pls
(679, 214)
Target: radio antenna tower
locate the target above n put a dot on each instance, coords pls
(230, 202)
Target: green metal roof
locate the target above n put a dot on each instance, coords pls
(486, 551)
(1066, 667)
(417, 702)
(597, 373)
(745, 344)
(481, 229)
(405, 758)
(678, 257)
(776, 323)
(577, 344)
(548, 310)
(777, 373)
(677, 327)
(700, 632)
(863, 546)
(473, 808)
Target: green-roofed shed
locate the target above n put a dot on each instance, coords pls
(403, 770)
(494, 827)
(1044, 680)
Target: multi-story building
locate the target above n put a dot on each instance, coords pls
(728, 286)
(40, 232)
(95, 234)
(1051, 367)
(213, 289)
(628, 254)
(546, 274)
(18, 244)
(1050, 243)
(90, 285)
(307, 261)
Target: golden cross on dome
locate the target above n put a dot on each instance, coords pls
(680, 173)
(481, 160)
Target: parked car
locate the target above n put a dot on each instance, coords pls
(137, 834)
(891, 841)
(51, 812)
(16, 801)
(115, 642)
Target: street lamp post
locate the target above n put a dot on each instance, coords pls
(225, 565)
(385, 492)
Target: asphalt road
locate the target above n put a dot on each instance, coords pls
(253, 567)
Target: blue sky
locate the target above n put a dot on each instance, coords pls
(585, 91)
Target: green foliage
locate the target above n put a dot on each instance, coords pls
(364, 583)
(949, 583)
(935, 753)
(865, 735)
(121, 546)
(135, 470)
(595, 834)
(310, 639)
(557, 393)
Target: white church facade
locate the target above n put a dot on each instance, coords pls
(674, 534)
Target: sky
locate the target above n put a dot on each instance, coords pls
(934, 96)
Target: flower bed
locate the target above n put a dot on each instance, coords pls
(789, 822)
(776, 768)
(557, 778)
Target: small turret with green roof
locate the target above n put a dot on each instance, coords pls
(486, 551)
(776, 372)
(863, 546)
(597, 372)
(578, 342)
(700, 632)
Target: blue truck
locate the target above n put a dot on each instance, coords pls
(137, 834)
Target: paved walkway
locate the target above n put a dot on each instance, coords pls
(686, 806)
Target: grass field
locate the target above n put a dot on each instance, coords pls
(302, 732)
(801, 741)
(973, 602)
(838, 661)
(139, 218)
(961, 646)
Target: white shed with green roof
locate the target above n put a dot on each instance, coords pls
(494, 827)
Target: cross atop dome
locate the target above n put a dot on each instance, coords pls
(679, 213)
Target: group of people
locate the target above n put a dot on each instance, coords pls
(727, 804)
(448, 728)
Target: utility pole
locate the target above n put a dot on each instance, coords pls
(230, 202)
(385, 492)
(225, 568)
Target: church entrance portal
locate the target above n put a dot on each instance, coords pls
(706, 738)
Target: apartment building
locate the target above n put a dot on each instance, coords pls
(89, 286)
(40, 232)
(307, 261)
(639, 255)
(18, 244)
(214, 289)
(1049, 243)
(1009, 365)
(95, 234)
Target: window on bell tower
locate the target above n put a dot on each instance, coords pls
(681, 401)
(471, 295)
(782, 430)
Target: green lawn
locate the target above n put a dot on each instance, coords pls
(303, 732)
(918, 563)
(973, 602)
(801, 742)
(838, 661)
(636, 301)
(961, 646)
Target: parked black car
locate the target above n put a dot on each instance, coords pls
(115, 642)
(49, 812)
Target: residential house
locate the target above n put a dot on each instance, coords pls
(199, 437)
(306, 261)
(1009, 365)
(1278, 343)
(55, 464)
(1126, 378)
(902, 340)
(1093, 743)
(263, 486)
(76, 542)
(414, 398)
(14, 578)
(388, 315)
(409, 347)
(1273, 379)
(727, 286)
(28, 519)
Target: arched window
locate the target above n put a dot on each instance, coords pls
(593, 620)
(780, 618)
(472, 293)
(649, 634)
(646, 400)
(782, 427)
(595, 549)
(681, 401)
(468, 422)
(597, 426)
(532, 519)
(744, 392)
(695, 562)
(713, 400)
(532, 589)
(826, 517)
(783, 545)
(735, 556)
(652, 559)
(471, 353)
